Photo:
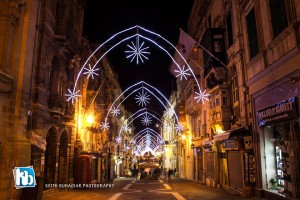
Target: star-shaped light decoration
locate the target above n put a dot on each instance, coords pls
(115, 111)
(91, 71)
(125, 128)
(201, 96)
(146, 120)
(178, 128)
(182, 72)
(142, 98)
(104, 125)
(72, 95)
(137, 51)
(118, 139)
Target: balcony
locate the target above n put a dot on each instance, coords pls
(57, 105)
(191, 107)
(69, 111)
(213, 41)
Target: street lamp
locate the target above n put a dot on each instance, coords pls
(90, 119)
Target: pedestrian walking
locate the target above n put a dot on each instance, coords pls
(169, 174)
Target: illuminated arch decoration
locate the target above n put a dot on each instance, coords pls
(147, 140)
(135, 89)
(137, 52)
(140, 113)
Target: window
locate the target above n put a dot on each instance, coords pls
(229, 30)
(252, 34)
(278, 16)
(224, 101)
(234, 88)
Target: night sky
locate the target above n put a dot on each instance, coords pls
(103, 18)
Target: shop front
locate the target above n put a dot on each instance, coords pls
(236, 160)
(278, 139)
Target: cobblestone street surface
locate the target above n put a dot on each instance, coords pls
(129, 189)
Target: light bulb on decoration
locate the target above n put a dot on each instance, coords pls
(118, 139)
(91, 71)
(183, 137)
(73, 95)
(125, 128)
(178, 128)
(201, 96)
(182, 72)
(146, 120)
(142, 98)
(115, 111)
(137, 51)
(104, 125)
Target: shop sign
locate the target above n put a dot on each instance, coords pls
(281, 111)
(248, 142)
(38, 141)
(230, 144)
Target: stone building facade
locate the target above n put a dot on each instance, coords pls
(41, 54)
(252, 117)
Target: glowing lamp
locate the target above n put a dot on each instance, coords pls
(219, 129)
(90, 119)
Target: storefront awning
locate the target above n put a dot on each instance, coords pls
(223, 136)
(231, 133)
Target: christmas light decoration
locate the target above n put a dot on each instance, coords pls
(125, 128)
(201, 96)
(137, 51)
(142, 98)
(146, 88)
(178, 128)
(115, 111)
(91, 71)
(182, 72)
(104, 125)
(118, 139)
(73, 95)
(148, 131)
(146, 120)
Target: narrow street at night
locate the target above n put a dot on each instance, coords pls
(149, 100)
(162, 189)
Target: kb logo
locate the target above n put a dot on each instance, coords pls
(24, 177)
